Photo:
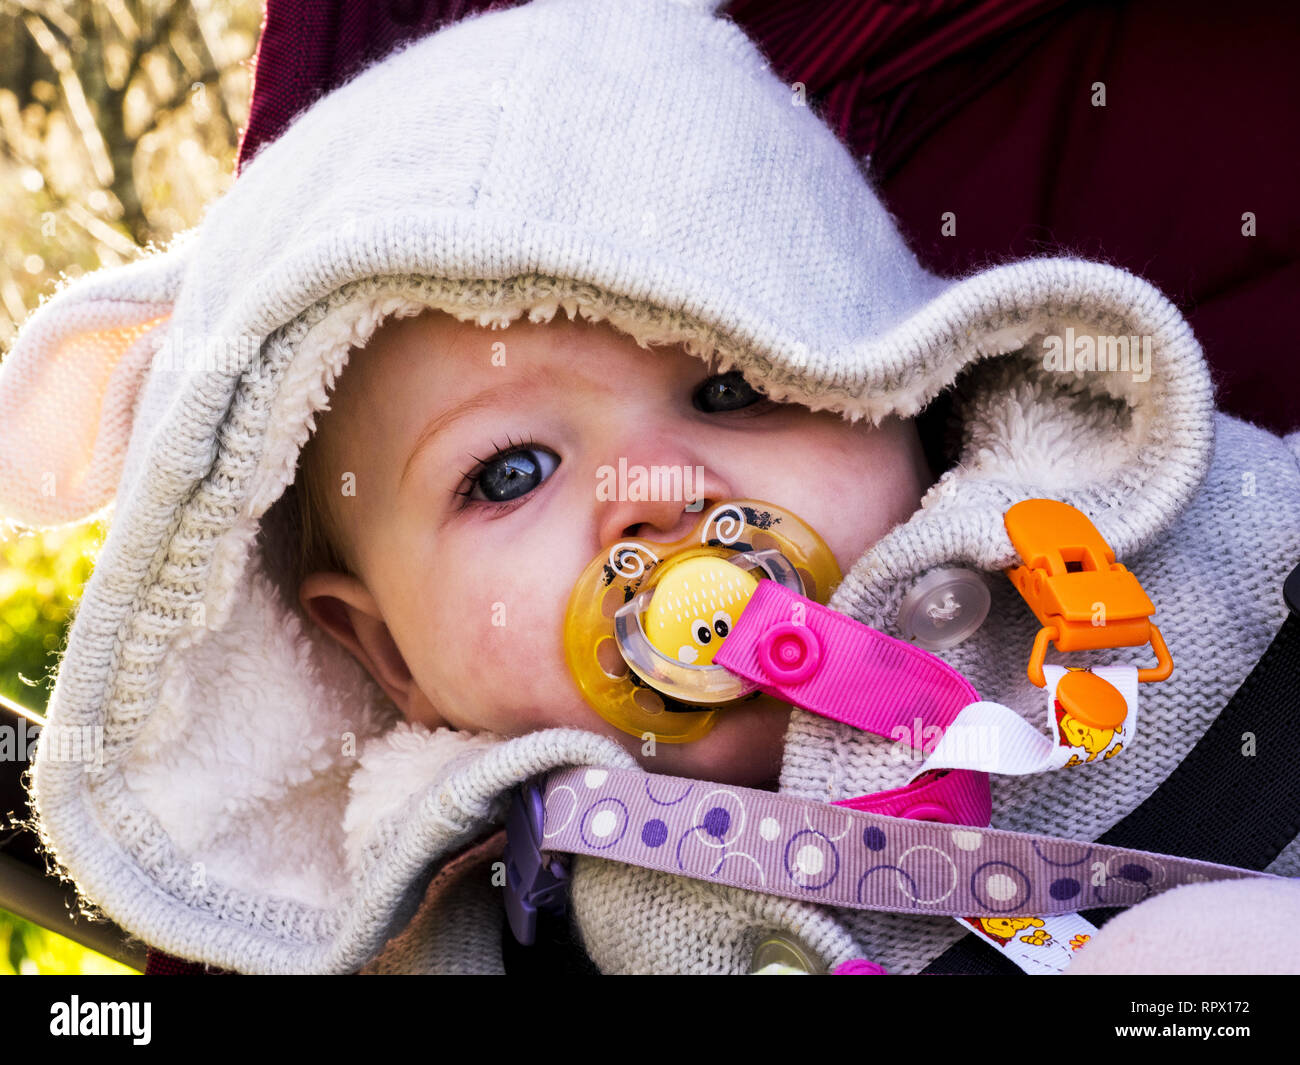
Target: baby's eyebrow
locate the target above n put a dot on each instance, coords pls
(537, 376)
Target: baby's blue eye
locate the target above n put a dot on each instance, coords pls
(512, 474)
(724, 392)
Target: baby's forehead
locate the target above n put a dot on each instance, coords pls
(415, 367)
(468, 355)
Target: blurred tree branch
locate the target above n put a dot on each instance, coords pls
(209, 76)
(74, 94)
(158, 32)
(77, 213)
(51, 13)
(122, 70)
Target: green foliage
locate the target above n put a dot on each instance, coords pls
(29, 950)
(41, 577)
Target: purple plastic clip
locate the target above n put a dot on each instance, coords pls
(533, 881)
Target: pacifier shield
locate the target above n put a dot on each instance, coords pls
(645, 618)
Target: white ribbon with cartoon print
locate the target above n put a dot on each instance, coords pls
(993, 738)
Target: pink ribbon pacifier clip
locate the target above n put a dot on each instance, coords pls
(921, 848)
(836, 667)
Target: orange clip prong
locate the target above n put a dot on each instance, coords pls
(1164, 660)
(1036, 655)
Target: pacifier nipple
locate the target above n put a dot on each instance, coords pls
(646, 618)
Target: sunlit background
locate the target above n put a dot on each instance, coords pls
(119, 123)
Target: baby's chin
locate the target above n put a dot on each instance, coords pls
(743, 749)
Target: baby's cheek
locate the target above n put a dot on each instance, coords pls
(517, 676)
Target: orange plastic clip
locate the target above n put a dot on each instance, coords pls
(1070, 579)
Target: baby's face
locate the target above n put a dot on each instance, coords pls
(475, 509)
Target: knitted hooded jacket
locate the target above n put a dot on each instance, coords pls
(261, 805)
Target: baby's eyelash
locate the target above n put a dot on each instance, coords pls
(468, 479)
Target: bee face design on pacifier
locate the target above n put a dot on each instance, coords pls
(646, 619)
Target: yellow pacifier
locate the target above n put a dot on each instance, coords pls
(645, 618)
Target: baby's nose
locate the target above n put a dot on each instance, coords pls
(670, 526)
(660, 521)
(665, 520)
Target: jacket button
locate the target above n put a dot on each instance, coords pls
(943, 608)
(787, 954)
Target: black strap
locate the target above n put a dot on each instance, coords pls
(556, 950)
(1235, 799)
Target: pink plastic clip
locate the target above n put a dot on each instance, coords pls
(859, 967)
(789, 653)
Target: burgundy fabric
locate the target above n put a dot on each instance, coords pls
(1199, 127)
(849, 55)
(983, 108)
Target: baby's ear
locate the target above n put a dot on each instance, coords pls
(69, 386)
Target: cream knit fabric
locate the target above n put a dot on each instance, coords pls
(261, 806)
